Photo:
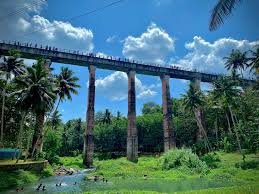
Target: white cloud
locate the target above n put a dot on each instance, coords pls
(111, 39)
(152, 46)
(115, 87)
(27, 26)
(208, 56)
(161, 2)
(101, 54)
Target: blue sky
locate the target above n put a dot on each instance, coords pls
(161, 31)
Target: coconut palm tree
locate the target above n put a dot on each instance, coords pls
(107, 117)
(10, 66)
(236, 60)
(55, 119)
(67, 84)
(221, 11)
(38, 93)
(193, 101)
(254, 62)
(225, 90)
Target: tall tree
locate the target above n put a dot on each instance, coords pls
(10, 66)
(236, 60)
(39, 93)
(254, 62)
(107, 117)
(221, 11)
(55, 119)
(193, 101)
(226, 90)
(67, 85)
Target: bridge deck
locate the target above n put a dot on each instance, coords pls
(106, 62)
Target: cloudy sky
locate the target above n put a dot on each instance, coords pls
(154, 31)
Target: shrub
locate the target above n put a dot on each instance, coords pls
(48, 171)
(182, 159)
(247, 165)
(199, 147)
(211, 159)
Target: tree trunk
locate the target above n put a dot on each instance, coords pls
(38, 134)
(229, 127)
(2, 118)
(28, 146)
(201, 128)
(198, 116)
(19, 140)
(235, 129)
(52, 127)
(232, 116)
(216, 131)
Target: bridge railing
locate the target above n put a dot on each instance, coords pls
(112, 58)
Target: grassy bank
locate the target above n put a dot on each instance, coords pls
(147, 175)
(72, 162)
(226, 167)
(19, 178)
(251, 189)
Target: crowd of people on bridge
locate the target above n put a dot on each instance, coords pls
(50, 48)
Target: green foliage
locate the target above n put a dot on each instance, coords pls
(211, 159)
(48, 171)
(52, 144)
(72, 162)
(253, 164)
(16, 178)
(151, 108)
(183, 159)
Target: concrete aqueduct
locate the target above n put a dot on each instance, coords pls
(131, 68)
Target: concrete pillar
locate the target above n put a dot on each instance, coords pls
(89, 136)
(169, 134)
(196, 83)
(132, 134)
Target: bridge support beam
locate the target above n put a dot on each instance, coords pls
(169, 134)
(196, 82)
(89, 136)
(132, 134)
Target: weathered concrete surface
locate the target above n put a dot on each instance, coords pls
(29, 165)
(89, 136)
(169, 134)
(132, 134)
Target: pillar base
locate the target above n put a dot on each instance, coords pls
(132, 148)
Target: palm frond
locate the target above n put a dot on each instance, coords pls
(219, 13)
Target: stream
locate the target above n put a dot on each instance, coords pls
(160, 185)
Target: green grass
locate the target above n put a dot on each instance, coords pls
(121, 168)
(16, 178)
(128, 175)
(251, 189)
(227, 170)
(72, 162)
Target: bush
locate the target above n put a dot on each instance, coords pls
(211, 159)
(16, 178)
(182, 159)
(48, 171)
(247, 165)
